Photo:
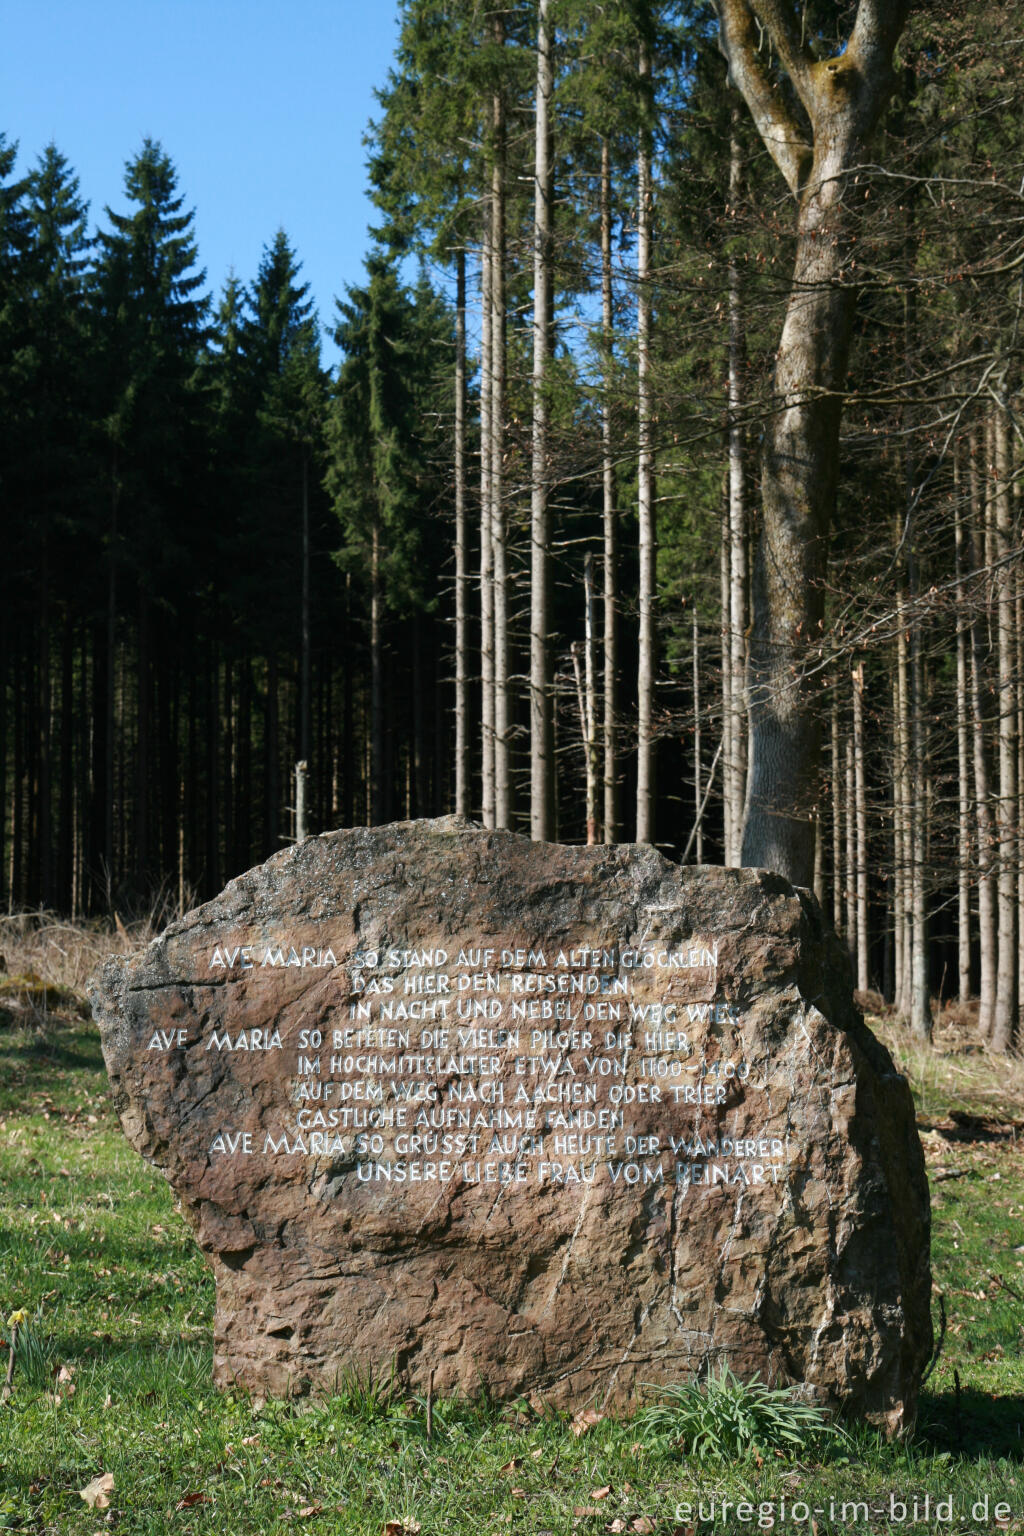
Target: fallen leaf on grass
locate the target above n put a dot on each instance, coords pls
(585, 1511)
(643, 1526)
(97, 1493)
(510, 1466)
(193, 1498)
(600, 1493)
(585, 1420)
(518, 1493)
(401, 1528)
(617, 1525)
(251, 1440)
(310, 1510)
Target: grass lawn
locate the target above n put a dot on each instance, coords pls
(121, 1306)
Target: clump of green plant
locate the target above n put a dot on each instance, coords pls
(26, 1355)
(724, 1417)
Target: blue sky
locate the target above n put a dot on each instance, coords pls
(260, 105)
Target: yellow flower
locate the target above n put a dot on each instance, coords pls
(17, 1319)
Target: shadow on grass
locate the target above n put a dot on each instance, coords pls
(972, 1423)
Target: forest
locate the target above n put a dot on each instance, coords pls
(668, 488)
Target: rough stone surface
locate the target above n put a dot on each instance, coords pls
(786, 1231)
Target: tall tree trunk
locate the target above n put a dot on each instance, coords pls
(963, 756)
(462, 771)
(486, 507)
(1004, 1027)
(861, 809)
(698, 788)
(379, 778)
(45, 744)
(920, 1005)
(837, 818)
(735, 766)
(730, 832)
(64, 879)
(850, 891)
(610, 519)
(843, 99)
(542, 767)
(502, 683)
(901, 818)
(987, 923)
(647, 526)
(305, 660)
(591, 698)
(142, 728)
(273, 760)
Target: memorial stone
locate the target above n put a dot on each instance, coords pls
(547, 1120)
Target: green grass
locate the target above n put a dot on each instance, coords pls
(121, 1307)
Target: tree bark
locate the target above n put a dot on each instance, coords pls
(610, 519)
(1004, 1025)
(462, 774)
(502, 684)
(542, 768)
(648, 534)
(861, 810)
(817, 149)
(963, 761)
(698, 790)
(736, 764)
(486, 543)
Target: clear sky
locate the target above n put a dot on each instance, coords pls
(260, 105)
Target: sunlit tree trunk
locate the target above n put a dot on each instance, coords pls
(462, 772)
(963, 755)
(861, 811)
(1004, 1027)
(610, 517)
(647, 526)
(542, 767)
(486, 544)
(842, 97)
(987, 923)
(735, 766)
(499, 543)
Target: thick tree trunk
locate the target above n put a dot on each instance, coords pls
(462, 773)
(647, 526)
(542, 768)
(610, 518)
(843, 98)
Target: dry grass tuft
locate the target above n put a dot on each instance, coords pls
(45, 961)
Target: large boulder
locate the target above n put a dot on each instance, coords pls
(546, 1120)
